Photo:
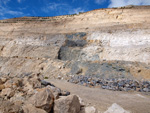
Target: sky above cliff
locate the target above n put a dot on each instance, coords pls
(19, 8)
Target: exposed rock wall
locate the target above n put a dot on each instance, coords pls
(106, 39)
(32, 46)
(123, 45)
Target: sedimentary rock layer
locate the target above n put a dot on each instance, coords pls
(116, 41)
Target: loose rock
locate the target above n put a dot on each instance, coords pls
(112, 84)
(43, 99)
(115, 108)
(69, 104)
(31, 109)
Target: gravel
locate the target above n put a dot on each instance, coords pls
(112, 84)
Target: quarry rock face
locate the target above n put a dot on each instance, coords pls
(115, 35)
(105, 48)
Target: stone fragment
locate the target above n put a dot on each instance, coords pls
(31, 109)
(69, 104)
(30, 83)
(2, 87)
(146, 89)
(45, 83)
(115, 108)
(1, 82)
(13, 83)
(43, 99)
(65, 93)
(82, 104)
(27, 87)
(7, 92)
(3, 79)
(33, 80)
(8, 84)
(56, 91)
(18, 97)
(90, 110)
(9, 107)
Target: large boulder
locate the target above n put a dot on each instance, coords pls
(67, 104)
(43, 99)
(31, 109)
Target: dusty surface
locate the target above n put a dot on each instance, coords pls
(103, 99)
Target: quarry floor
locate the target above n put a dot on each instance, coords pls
(135, 102)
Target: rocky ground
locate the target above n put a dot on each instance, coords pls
(31, 94)
(100, 49)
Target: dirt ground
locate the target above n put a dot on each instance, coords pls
(135, 102)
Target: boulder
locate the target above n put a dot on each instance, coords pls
(65, 93)
(45, 83)
(7, 92)
(33, 80)
(115, 108)
(31, 109)
(90, 109)
(8, 83)
(43, 99)
(9, 107)
(13, 83)
(30, 83)
(67, 104)
(27, 87)
(82, 104)
(56, 91)
(3, 80)
(18, 97)
(2, 87)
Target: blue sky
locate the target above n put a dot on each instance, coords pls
(20, 8)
